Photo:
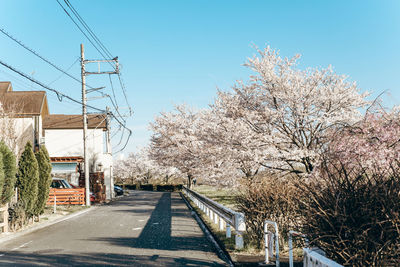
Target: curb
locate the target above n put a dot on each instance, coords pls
(11, 235)
(220, 251)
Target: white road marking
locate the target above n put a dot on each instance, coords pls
(138, 228)
(23, 245)
(141, 220)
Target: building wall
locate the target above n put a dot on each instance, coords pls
(25, 129)
(16, 132)
(62, 143)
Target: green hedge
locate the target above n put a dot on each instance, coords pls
(151, 187)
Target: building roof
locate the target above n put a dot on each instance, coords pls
(23, 103)
(62, 121)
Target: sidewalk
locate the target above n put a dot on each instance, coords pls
(45, 220)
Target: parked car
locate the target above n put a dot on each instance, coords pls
(118, 190)
(62, 183)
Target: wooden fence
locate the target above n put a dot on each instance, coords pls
(73, 196)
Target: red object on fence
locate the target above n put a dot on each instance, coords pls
(67, 196)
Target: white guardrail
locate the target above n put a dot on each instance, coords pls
(314, 259)
(221, 215)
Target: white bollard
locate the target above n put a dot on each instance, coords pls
(239, 240)
(240, 227)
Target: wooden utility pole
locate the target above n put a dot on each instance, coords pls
(84, 114)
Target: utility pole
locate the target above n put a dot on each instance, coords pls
(84, 73)
(84, 114)
(108, 150)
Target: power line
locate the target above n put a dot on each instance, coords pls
(97, 40)
(39, 56)
(124, 91)
(61, 96)
(56, 79)
(81, 30)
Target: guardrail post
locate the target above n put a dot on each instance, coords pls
(240, 227)
(221, 224)
(216, 218)
(228, 231)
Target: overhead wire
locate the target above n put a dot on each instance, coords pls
(104, 52)
(114, 104)
(101, 45)
(39, 56)
(59, 77)
(60, 97)
(59, 94)
(124, 92)
(97, 40)
(81, 29)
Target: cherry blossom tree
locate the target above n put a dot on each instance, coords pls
(372, 144)
(228, 145)
(289, 111)
(174, 142)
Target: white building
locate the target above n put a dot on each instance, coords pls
(63, 136)
(22, 116)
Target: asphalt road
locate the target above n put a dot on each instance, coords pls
(143, 229)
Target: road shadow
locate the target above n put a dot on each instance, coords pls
(97, 259)
(157, 232)
(155, 237)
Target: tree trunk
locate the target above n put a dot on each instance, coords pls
(190, 181)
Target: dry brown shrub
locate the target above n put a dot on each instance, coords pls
(268, 198)
(354, 216)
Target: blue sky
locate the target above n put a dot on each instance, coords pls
(175, 52)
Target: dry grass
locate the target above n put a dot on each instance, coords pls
(222, 195)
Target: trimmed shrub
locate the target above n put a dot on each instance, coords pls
(150, 187)
(127, 186)
(2, 178)
(27, 179)
(43, 159)
(10, 169)
(167, 188)
(147, 187)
